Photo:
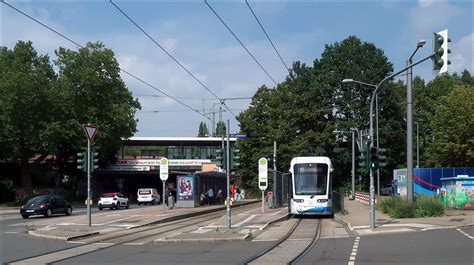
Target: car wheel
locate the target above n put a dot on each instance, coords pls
(127, 206)
(117, 206)
(139, 203)
(48, 213)
(100, 208)
(25, 216)
(68, 210)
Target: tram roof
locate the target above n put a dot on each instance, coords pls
(170, 141)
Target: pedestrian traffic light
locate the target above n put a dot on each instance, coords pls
(94, 158)
(235, 158)
(82, 161)
(440, 50)
(382, 158)
(220, 157)
(362, 158)
(374, 159)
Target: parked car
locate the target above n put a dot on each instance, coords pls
(148, 195)
(46, 205)
(113, 200)
(386, 190)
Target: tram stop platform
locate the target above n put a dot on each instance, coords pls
(356, 220)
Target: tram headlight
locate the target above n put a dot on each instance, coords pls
(298, 200)
(322, 200)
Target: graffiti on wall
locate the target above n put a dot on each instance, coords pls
(458, 192)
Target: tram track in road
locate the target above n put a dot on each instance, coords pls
(291, 247)
(136, 236)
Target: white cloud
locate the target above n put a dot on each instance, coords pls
(461, 56)
(431, 16)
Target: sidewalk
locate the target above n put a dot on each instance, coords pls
(357, 220)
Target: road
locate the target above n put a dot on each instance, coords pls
(445, 246)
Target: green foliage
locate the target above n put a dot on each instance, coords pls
(221, 129)
(397, 207)
(7, 194)
(203, 130)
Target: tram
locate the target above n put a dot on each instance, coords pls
(310, 186)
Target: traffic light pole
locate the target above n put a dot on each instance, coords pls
(371, 137)
(89, 223)
(353, 165)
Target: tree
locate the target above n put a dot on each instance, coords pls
(452, 128)
(26, 112)
(43, 112)
(203, 131)
(221, 129)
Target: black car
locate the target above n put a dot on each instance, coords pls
(46, 205)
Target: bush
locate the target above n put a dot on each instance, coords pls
(423, 206)
(7, 193)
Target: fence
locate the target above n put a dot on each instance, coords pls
(338, 202)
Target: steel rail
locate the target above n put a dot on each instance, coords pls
(309, 247)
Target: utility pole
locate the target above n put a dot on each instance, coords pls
(274, 172)
(229, 224)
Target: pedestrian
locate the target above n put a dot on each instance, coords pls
(219, 196)
(210, 195)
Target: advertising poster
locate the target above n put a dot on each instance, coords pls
(185, 188)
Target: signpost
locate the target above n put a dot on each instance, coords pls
(263, 178)
(238, 135)
(90, 133)
(164, 176)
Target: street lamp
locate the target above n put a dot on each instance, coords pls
(350, 80)
(419, 45)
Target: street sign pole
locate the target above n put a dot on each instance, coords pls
(164, 176)
(89, 218)
(90, 133)
(263, 178)
(229, 224)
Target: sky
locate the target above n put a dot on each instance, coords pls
(194, 36)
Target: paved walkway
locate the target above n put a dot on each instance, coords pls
(357, 220)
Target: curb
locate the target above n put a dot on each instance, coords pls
(187, 215)
(65, 238)
(201, 240)
(447, 227)
(343, 222)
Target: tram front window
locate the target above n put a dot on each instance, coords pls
(310, 179)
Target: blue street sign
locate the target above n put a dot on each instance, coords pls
(238, 135)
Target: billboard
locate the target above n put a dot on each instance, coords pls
(185, 186)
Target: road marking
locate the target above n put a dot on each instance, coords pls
(10, 232)
(354, 252)
(115, 221)
(246, 220)
(75, 242)
(466, 234)
(134, 244)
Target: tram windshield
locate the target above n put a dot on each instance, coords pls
(310, 178)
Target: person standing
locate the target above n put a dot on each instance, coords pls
(210, 195)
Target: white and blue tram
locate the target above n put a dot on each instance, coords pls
(310, 186)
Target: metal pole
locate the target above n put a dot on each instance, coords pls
(229, 224)
(263, 199)
(274, 174)
(371, 131)
(417, 147)
(89, 221)
(353, 164)
(213, 133)
(377, 131)
(409, 135)
(164, 191)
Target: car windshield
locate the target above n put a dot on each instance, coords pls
(39, 199)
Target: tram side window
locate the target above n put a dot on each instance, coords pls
(310, 179)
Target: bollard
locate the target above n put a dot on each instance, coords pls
(270, 200)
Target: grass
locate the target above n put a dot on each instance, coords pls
(423, 206)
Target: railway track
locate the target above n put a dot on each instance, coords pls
(293, 246)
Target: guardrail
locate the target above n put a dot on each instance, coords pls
(363, 197)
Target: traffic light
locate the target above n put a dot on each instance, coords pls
(374, 158)
(382, 158)
(440, 48)
(82, 161)
(362, 158)
(234, 158)
(94, 158)
(220, 157)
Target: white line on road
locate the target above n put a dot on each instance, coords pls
(466, 234)
(246, 220)
(10, 232)
(354, 252)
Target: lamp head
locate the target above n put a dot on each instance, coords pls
(347, 80)
(420, 43)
